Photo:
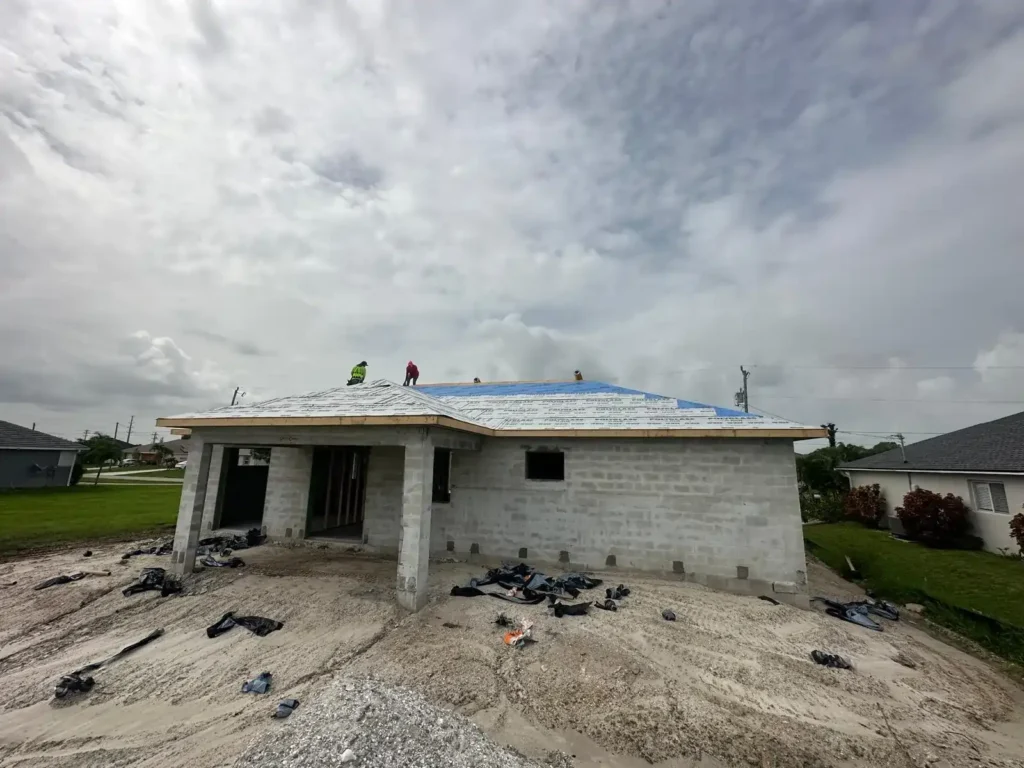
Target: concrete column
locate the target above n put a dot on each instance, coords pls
(190, 509)
(287, 500)
(414, 551)
(210, 517)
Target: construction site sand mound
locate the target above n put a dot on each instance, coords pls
(729, 683)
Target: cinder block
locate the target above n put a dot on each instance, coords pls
(785, 587)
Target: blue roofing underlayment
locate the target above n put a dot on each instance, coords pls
(540, 389)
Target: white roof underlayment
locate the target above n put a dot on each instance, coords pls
(534, 406)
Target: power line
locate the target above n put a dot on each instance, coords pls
(783, 366)
(890, 400)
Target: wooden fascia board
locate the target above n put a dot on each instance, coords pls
(450, 423)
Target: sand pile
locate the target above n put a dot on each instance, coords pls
(730, 682)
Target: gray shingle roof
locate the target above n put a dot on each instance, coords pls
(995, 446)
(14, 436)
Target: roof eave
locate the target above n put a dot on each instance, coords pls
(789, 433)
(928, 470)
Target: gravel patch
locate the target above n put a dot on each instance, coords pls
(368, 723)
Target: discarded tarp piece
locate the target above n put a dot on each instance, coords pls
(164, 548)
(528, 598)
(87, 553)
(259, 684)
(578, 609)
(855, 613)
(618, 593)
(767, 599)
(211, 562)
(79, 682)
(62, 579)
(255, 624)
(879, 608)
(606, 605)
(830, 660)
(285, 708)
(153, 580)
(522, 576)
(9, 584)
(668, 615)
(225, 545)
(67, 578)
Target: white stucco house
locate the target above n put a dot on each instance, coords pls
(983, 464)
(579, 473)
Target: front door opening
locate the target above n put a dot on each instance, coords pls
(337, 492)
(243, 487)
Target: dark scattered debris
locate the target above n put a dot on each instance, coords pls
(606, 605)
(68, 578)
(154, 580)
(79, 680)
(668, 615)
(857, 611)
(904, 660)
(523, 585)
(9, 584)
(504, 621)
(451, 625)
(576, 609)
(258, 625)
(259, 684)
(211, 562)
(285, 708)
(164, 548)
(87, 553)
(225, 545)
(833, 660)
(618, 593)
(767, 599)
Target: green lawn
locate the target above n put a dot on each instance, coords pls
(34, 519)
(178, 473)
(955, 586)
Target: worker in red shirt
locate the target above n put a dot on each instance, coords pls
(412, 374)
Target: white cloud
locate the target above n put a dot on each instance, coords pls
(510, 191)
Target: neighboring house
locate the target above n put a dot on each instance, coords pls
(581, 474)
(30, 459)
(148, 454)
(983, 464)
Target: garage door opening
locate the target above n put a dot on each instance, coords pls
(243, 485)
(337, 492)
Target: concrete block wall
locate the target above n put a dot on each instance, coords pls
(723, 512)
(287, 500)
(382, 523)
(213, 489)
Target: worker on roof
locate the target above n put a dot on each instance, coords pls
(358, 374)
(578, 375)
(476, 380)
(412, 374)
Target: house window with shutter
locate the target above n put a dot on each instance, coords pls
(990, 497)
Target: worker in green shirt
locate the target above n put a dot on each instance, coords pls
(358, 374)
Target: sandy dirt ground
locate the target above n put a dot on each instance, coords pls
(729, 683)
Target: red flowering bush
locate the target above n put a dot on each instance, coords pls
(940, 521)
(865, 504)
(1017, 531)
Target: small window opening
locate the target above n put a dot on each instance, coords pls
(545, 465)
(442, 487)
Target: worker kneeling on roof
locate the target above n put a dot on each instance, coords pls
(358, 374)
(412, 374)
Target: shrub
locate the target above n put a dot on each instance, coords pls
(865, 504)
(826, 507)
(1017, 531)
(77, 470)
(939, 521)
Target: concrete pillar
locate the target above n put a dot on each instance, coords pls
(287, 500)
(414, 551)
(210, 517)
(190, 509)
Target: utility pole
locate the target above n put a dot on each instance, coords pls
(85, 435)
(742, 397)
(131, 421)
(117, 425)
(831, 429)
(903, 452)
(154, 438)
(33, 426)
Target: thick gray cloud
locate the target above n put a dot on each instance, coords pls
(212, 194)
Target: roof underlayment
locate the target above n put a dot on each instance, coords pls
(508, 408)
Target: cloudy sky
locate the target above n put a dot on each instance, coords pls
(199, 194)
